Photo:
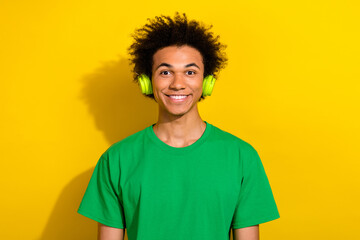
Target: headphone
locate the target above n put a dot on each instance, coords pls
(146, 87)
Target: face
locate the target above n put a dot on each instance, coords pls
(177, 77)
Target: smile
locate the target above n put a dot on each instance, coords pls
(178, 96)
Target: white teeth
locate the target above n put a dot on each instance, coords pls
(177, 97)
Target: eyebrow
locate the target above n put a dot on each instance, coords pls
(170, 66)
(164, 65)
(192, 65)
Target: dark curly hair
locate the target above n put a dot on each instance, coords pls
(164, 31)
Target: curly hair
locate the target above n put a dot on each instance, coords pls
(164, 31)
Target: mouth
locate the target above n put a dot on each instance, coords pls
(177, 97)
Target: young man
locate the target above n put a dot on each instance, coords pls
(180, 178)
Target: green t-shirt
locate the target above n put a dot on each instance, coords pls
(160, 192)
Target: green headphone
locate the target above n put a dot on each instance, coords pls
(146, 88)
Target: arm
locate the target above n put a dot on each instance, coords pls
(110, 233)
(247, 233)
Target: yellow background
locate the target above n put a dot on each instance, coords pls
(291, 89)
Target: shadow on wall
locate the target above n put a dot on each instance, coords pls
(116, 102)
(119, 110)
(64, 221)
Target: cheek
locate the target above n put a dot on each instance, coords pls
(159, 84)
(155, 93)
(198, 86)
(156, 90)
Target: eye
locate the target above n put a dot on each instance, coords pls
(165, 73)
(190, 72)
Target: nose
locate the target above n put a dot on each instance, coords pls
(177, 82)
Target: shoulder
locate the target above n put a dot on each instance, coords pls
(128, 144)
(231, 140)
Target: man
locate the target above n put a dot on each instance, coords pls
(181, 178)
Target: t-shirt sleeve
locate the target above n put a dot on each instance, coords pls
(102, 199)
(256, 203)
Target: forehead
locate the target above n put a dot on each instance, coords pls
(177, 55)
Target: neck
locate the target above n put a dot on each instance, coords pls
(179, 131)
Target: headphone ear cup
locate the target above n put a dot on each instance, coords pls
(145, 84)
(208, 85)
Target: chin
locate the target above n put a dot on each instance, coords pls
(180, 112)
(177, 113)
